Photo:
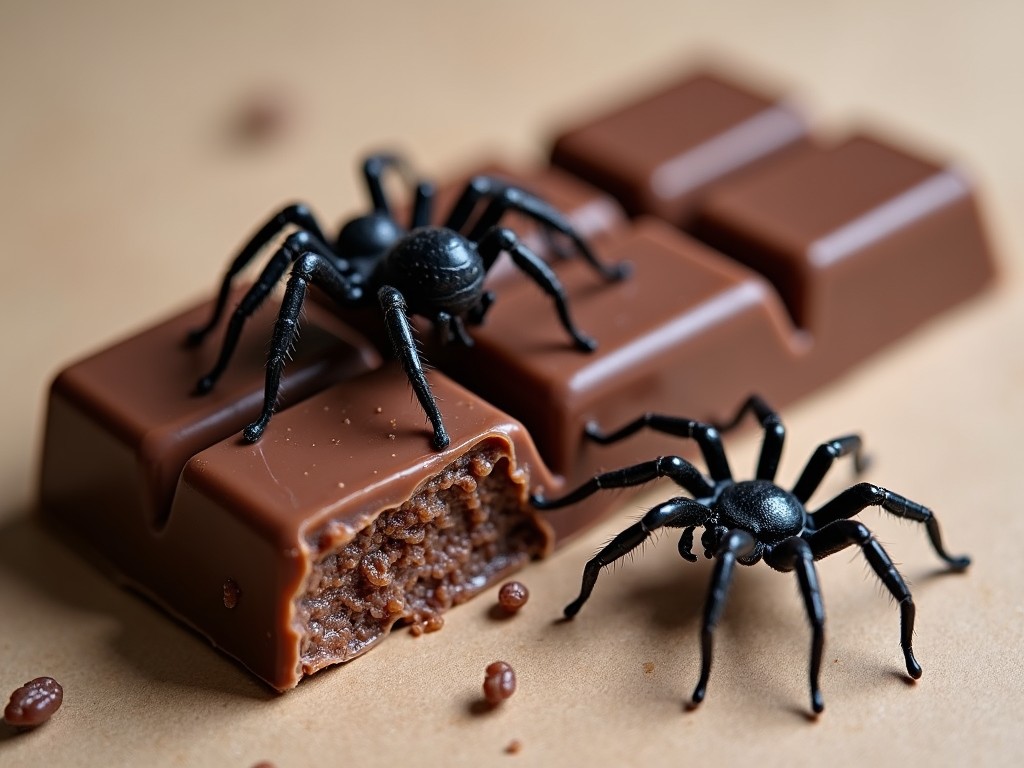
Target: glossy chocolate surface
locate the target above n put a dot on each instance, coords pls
(659, 154)
(689, 332)
(863, 240)
(141, 392)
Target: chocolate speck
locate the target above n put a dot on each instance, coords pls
(648, 667)
(378, 409)
(34, 703)
(514, 747)
(231, 593)
(513, 595)
(499, 683)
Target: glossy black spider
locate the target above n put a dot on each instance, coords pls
(745, 521)
(434, 271)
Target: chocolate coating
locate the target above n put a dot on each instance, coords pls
(659, 154)
(863, 240)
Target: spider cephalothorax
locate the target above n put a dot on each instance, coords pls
(434, 271)
(749, 520)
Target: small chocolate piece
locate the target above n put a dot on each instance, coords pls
(34, 703)
(659, 154)
(514, 747)
(864, 241)
(499, 683)
(512, 596)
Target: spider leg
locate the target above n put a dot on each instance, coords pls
(422, 205)
(821, 461)
(679, 470)
(310, 266)
(796, 554)
(774, 434)
(841, 534)
(734, 545)
(674, 513)
(294, 246)
(297, 215)
(853, 500)
(499, 240)
(503, 198)
(706, 435)
(396, 317)
(374, 168)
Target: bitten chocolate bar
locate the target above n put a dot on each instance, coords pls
(304, 549)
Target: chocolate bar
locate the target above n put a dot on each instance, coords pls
(303, 549)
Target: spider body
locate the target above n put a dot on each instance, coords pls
(748, 521)
(437, 272)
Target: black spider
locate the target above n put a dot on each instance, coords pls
(434, 271)
(745, 521)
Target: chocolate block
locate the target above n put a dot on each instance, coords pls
(863, 240)
(303, 549)
(659, 154)
(689, 332)
(136, 398)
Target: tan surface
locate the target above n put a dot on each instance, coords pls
(121, 198)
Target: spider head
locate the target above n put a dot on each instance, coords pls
(369, 236)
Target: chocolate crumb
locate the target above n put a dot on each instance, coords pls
(500, 682)
(648, 667)
(34, 703)
(378, 409)
(514, 747)
(231, 593)
(513, 595)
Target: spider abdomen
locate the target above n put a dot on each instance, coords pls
(769, 513)
(436, 269)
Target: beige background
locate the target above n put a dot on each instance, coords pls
(122, 196)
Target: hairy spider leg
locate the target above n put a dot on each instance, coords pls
(679, 512)
(795, 554)
(499, 240)
(310, 266)
(396, 318)
(853, 500)
(733, 545)
(774, 434)
(297, 215)
(823, 458)
(841, 534)
(504, 198)
(706, 436)
(294, 246)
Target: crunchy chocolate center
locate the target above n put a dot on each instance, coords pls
(463, 529)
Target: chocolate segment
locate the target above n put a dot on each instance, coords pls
(863, 240)
(689, 332)
(659, 154)
(304, 549)
(123, 422)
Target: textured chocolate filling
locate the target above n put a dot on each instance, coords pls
(462, 530)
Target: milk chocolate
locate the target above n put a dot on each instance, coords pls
(138, 397)
(863, 240)
(689, 332)
(659, 154)
(340, 522)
